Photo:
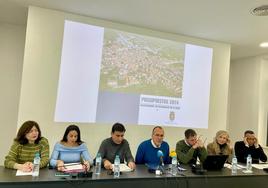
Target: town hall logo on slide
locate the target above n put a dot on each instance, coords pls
(172, 116)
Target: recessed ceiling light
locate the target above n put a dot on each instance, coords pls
(264, 44)
(260, 11)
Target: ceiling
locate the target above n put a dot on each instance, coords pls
(227, 21)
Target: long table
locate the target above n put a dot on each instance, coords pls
(140, 178)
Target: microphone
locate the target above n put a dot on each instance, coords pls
(160, 154)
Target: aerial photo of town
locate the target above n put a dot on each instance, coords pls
(133, 63)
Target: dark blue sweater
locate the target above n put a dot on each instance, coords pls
(147, 153)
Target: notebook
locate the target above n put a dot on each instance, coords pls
(73, 168)
(214, 162)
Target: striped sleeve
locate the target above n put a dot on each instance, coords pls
(12, 156)
(44, 152)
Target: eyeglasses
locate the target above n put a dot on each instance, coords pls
(159, 135)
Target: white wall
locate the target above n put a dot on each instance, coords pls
(248, 97)
(40, 78)
(12, 39)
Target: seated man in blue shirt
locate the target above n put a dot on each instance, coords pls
(148, 150)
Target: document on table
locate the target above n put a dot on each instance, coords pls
(239, 166)
(260, 166)
(73, 167)
(21, 173)
(123, 168)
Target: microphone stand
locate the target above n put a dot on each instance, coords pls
(161, 165)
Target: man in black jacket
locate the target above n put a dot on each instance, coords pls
(250, 146)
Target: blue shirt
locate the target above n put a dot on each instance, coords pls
(69, 154)
(147, 153)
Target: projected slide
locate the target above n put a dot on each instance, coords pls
(109, 76)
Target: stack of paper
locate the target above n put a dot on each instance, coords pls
(123, 168)
(260, 166)
(21, 173)
(73, 167)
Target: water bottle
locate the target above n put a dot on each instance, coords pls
(249, 163)
(174, 164)
(98, 164)
(116, 167)
(36, 165)
(234, 165)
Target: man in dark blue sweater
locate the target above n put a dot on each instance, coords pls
(148, 150)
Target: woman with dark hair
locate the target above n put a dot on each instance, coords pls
(27, 143)
(70, 149)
